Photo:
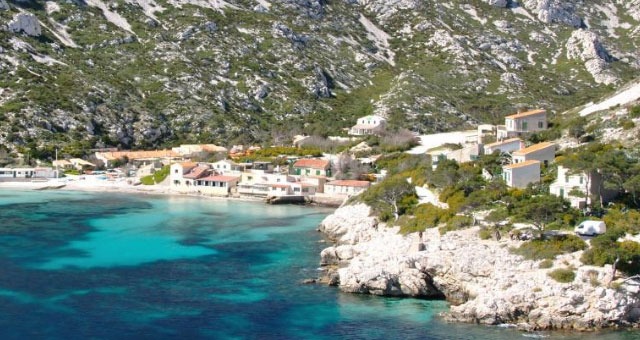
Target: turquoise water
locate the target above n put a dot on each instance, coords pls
(110, 266)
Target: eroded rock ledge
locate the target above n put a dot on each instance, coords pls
(484, 282)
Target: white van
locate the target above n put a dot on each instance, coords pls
(591, 228)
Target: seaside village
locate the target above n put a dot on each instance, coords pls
(295, 179)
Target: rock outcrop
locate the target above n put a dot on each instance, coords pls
(4, 5)
(482, 279)
(554, 11)
(25, 22)
(585, 45)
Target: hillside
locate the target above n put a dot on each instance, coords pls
(148, 73)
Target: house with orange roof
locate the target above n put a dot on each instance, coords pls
(312, 167)
(504, 146)
(177, 171)
(544, 152)
(346, 187)
(521, 174)
(521, 123)
(216, 185)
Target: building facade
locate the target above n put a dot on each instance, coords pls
(521, 174)
(524, 122)
(544, 152)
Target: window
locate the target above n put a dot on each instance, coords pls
(305, 189)
(525, 126)
(296, 189)
(249, 178)
(581, 179)
(318, 172)
(540, 125)
(566, 178)
(175, 172)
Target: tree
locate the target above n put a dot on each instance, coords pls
(632, 186)
(390, 195)
(540, 210)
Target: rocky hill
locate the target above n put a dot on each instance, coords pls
(143, 73)
(482, 279)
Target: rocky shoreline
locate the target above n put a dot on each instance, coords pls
(484, 282)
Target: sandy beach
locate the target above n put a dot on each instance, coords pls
(121, 185)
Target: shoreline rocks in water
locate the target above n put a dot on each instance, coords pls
(482, 279)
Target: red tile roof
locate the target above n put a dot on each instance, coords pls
(197, 172)
(312, 163)
(526, 114)
(350, 183)
(534, 148)
(220, 178)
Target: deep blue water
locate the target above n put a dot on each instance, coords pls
(113, 266)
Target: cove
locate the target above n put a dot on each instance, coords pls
(80, 265)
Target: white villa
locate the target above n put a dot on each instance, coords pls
(40, 172)
(544, 152)
(368, 125)
(346, 187)
(519, 175)
(523, 122)
(579, 188)
(216, 185)
(504, 146)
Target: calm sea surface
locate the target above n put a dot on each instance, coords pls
(113, 266)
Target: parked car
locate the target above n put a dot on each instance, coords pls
(591, 228)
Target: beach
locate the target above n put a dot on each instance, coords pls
(99, 184)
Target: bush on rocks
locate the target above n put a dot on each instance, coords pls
(563, 275)
(549, 248)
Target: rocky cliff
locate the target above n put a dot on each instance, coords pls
(484, 282)
(145, 73)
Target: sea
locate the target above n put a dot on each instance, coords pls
(79, 265)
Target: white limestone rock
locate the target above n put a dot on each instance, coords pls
(497, 3)
(482, 279)
(585, 45)
(4, 5)
(25, 22)
(554, 11)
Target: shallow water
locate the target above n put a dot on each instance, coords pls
(110, 266)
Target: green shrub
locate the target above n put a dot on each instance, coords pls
(545, 264)
(562, 275)
(425, 216)
(156, 177)
(550, 248)
(485, 234)
(634, 112)
(627, 124)
(455, 223)
(605, 249)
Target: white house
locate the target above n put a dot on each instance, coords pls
(544, 152)
(177, 172)
(368, 125)
(345, 187)
(579, 188)
(504, 146)
(226, 166)
(216, 185)
(521, 174)
(523, 122)
(40, 172)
